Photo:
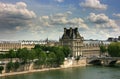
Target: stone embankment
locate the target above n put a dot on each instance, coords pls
(74, 63)
(67, 64)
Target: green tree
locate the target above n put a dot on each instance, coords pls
(114, 49)
(1, 69)
(66, 50)
(10, 66)
(32, 54)
(41, 56)
(51, 59)
(37, 53)
(11, 54)
(37, 46)
(102, 49)
(19, 54)
(16, 65)
(2, 56)
(59, 55)
(23, 54)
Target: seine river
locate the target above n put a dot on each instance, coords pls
(91, 72)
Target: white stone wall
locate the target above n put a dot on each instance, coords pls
(74, 63)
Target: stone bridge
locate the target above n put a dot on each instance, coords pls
(105, 61)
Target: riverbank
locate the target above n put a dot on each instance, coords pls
(32, 71)
(29, 71)
(67, 64)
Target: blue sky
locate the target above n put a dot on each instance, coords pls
(41, 19)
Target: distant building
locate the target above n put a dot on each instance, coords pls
(7, 45)
(111, 39)
(92, 47)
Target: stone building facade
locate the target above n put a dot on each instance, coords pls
(31, 43)
(7, 45)
(73, 40)
(78, 45)
(91, 48)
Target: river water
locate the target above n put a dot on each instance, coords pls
(91, 72)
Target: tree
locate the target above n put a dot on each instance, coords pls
(19, 54)
(2, 56)
(37, 46)
(11, 54)
(16, 65)
(103, 49)
(38, 52)
(114, 49)
(41, 56)
(66, 51)
(32, 54)
(23, 54)
(10, 66)
(51, 59)
(59, 55)
(1, 69)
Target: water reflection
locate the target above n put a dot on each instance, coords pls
(73, 73)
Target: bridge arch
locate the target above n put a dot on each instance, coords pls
(112, 63)
(106, 61)
(95, 62)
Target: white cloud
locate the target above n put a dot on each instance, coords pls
(62, 19)
(77, 22)
(117, 15)
(102, 21)
(94, 4)
(50, 25)
(15, 16)
(98, 19)
(103, 25)
(59, 1)
(21, 5)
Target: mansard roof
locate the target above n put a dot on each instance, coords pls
(71, 34)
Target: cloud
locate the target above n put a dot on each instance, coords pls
(102, 21)
(15, 16)
(62, 19)
(60, 1)
(93, 4)
(98, 19)
(117, 15)
(77, 22)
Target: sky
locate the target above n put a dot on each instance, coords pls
(41, 19)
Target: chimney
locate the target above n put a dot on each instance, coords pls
(76, 29)
(64, 30)
(70, 31)
(118, 37)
